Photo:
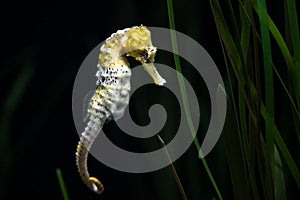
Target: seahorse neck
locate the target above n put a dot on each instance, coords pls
(113, 48)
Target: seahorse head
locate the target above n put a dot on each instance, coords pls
(139, 46)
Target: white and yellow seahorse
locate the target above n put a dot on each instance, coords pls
(113, 85)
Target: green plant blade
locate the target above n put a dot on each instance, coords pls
(269, 91)
(235, 155)
(294, 30)
(280, 41)
(279, 141)
(225, 36)
(279, 180)
(62, 184)
(184, 95)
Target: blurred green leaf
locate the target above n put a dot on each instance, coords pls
(269, 92)
(294, 30)
(62, 184)
(184, 95)
(279, 181)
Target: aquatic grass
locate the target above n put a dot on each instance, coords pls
(269, 94)
(62, 185)
(263, 150)
(295, 42)
(184, 95)
(174, 172)
(280, 143)
(237, 161)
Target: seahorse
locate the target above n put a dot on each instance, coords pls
(111, 96)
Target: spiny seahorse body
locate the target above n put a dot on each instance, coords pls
(113, 85)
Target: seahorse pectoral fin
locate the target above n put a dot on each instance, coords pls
(152, 71)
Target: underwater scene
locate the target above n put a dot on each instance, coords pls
(169, 99)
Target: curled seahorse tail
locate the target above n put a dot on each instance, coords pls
(98, 184)
(81, 159)
(83, 147)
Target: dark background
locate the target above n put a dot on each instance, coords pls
(43, 45)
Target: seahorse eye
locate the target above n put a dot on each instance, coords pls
(144, 56)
